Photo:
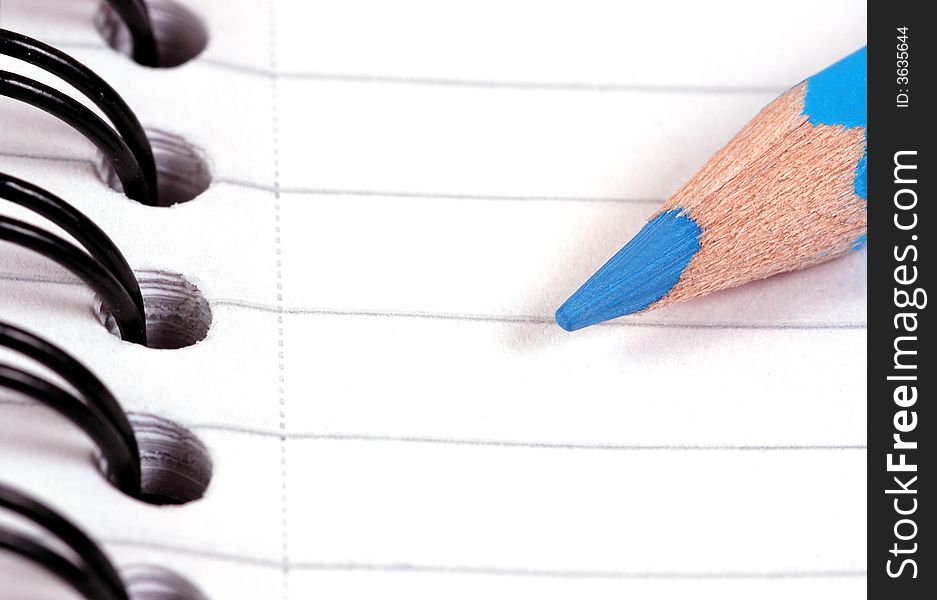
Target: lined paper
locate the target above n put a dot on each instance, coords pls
(402, 194)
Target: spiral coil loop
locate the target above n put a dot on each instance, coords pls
(125, 145)
(88, 571)
(97, 262)
(90, 405)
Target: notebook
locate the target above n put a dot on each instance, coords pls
(400, 196)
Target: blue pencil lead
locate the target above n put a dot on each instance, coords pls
(639, 275)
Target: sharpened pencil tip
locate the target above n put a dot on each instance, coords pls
(640, 274)
(564, 317)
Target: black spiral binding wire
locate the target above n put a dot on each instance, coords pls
(93, 409)
(97, 261)
(100, 265)
(136, 17)
(87, 569)
(125, 145)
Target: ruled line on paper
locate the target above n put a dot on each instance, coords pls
(372, 193)
(494, 84)
(487, 443)
(441, 195)
(496, 443)
(48, 157)
(546, 86)
(422, 568)
(473, 317)
(541, 320)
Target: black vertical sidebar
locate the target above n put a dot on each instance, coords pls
(901, 373)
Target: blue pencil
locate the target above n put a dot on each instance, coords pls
(788, 192)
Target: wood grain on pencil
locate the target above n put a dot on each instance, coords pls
(807, 210)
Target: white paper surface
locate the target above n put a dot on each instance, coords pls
(402, 195)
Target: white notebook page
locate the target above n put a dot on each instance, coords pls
(402, 194)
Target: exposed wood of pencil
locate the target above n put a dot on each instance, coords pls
(779, 197)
